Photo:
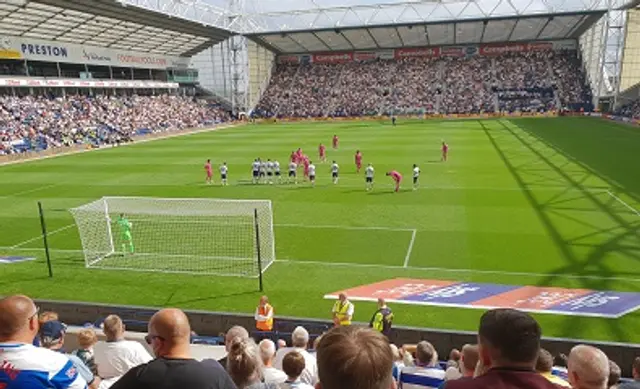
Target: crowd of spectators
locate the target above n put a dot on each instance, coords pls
(630, 109)
(40, 122)
(508, 355)
(526, 82)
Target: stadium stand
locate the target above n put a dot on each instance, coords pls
(535, 81)
(33, 123)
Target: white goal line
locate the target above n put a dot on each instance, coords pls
(451, 270)
(618, 199)
(49, 233)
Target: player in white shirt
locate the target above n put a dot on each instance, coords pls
(312, 173)
(269, 169)
(276, 171)
(369, 172)
(263, 170)
(223, 173)
(334, 172)
(416, 176)
(255, 169)
(293, 169)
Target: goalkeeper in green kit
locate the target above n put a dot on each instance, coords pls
(125, 232)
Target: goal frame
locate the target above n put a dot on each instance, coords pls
(109, 243)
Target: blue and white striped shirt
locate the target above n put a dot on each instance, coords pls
(23, 366)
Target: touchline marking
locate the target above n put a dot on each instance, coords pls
(413, 239)
(450, 270)
(28, 191)
(40, 236)
(624, 203)
(344, 227)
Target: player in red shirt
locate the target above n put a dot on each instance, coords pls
(445, 151)
(335, 141)
(209, 171)
(299, 156)
(397, 177)
(358, 161)
(305, 161)
(293, 157)
(323, 152)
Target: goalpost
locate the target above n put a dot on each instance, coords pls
(199, 236)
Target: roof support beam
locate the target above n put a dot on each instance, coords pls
(484, 28)
(576, 26)
(455, 33)
(512, 30)
(42, 22)
(353, 47)
(543, 27)
(321, 41)
(426, 35)
(373, 38)
(304, 49)
(399, 36)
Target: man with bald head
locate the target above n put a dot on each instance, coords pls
(26, 366)
(588, 368)
(169, 336)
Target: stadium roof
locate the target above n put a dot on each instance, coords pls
(106, 23)
(416, 34)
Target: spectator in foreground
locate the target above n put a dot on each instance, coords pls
(234, 332)
(119, 355)
(635, 384)
(267, 353)
(466, 365)
(397, 361)
(52, 335)
(25, 365)
(426, 373)
(354, 357)
(300, 340)
(87, 338)
(293, 365)
(588, 368)
(173, 367)
(614, 375)
(509, 341)
(244, 365)
(544, 366)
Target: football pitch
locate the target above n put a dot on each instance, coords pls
(535, 201)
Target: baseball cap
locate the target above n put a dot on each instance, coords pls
(52, 332)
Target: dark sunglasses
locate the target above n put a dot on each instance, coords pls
(149, 338)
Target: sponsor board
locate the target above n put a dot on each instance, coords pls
(7, 259)
(289, 59)
(497, 49)
(332, 57)
(365, 56)
(35, 49)
(417, 52)
(453, 51)
(57, 82)
(475, 295)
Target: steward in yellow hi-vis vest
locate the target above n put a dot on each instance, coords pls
(342, 311)
(264, 315)
(382, 318)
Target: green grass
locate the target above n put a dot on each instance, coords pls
(521, 202)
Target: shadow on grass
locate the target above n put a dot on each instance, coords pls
(583, 253)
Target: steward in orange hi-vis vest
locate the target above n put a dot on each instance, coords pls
(264, 315)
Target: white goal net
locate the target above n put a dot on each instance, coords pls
(200, 236)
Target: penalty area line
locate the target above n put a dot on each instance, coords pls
(410, 249)
(452, 270)
(40, 236)
(327, 227)
(618, 199)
